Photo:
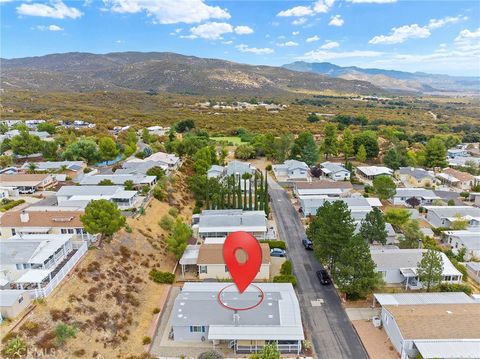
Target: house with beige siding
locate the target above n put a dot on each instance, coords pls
(211, 264)
(44, 222)
(26, 182)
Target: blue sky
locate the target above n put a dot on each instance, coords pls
(429, 36)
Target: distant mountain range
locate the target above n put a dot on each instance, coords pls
(168, 72)
(391, 79)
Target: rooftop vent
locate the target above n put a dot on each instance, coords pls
(62, 219)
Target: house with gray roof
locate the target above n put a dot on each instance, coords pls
(444, 216)
(359, 206)
(236, 168)
(371, 172)
(326, 188)
(468, 239)
(335, 171)
(80, 196)
(276, 319)
(291, 170)
(13, 302)
(220, 223)
(416, 177)
(399, 266)
(138, 180)
(424, 196)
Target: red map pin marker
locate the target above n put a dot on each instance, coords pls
(242, 273)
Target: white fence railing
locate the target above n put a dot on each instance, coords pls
(45, 291)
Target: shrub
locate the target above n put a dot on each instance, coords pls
(173, 212)
(286, 268)
(79, 352)
(454, 287)
(146, 340)
(211, 354)
(31, 328)
(63, 332)
(275, 244)
(15, 348)
(162, 277)
(285, 278)
(156, 310)
(464, 194)
(166, 222)
(451, 202)
(87, 170)
(268, 168)
(159, 193)
(11, 204)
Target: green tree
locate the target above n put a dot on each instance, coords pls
(430, 269)
(103, 217)
(49, 150)
(384, 187)
(6, 161)
(330, 231)
(245, 152)
(355, 270)
(15, 348)
(412, 236)
(361, 154)
(305, 149)
(459, 223)
(397, 217)
(129, 185)
(25, 144)
(270, 351)
(312, 118)
(282, 147)
(156, 171)
(106, 182)
(435, 153)
(329, 145)
(178, 239)
(369, 140)
(46, 127)
(32, 167)
(373, 229)
(85, 149)
(184, 126)
(392, 159)
(347, 145)
(108, 148)
(411, 158)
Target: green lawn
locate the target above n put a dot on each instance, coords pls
(230, 139)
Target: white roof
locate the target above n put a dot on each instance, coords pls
(190, 255)
(375, 170)
(374, 202)
(422, 298)
(167, 158)
(448, 349)
(117, 179)
(320, 191)
(34, 276)
(448, 177)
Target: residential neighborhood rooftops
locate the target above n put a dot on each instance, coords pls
(118, 179)
(42, 219)
(167, 158)
(469, 238)
(276, 318)
(22, 179)
(416, 192)
(54, 165)
(232, 218)
(293, 164)
(452, 174)
(454, 211)
(375, 170)
(437, 321)
(332, 167)
(213, 254)
(416, 172)
(422, 298)
(324, 185)
(88, 191)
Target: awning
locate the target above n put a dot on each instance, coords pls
(33, 230)
(255, 332)
(449, 349)
(190, 255)
(34, 276)
(408, 272)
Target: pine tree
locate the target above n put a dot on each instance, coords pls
(266, 207)
(347, 144)
(373, 227)
(239, 193)
(234, 192)
(250, 204)
(255, 204)
(260, 195)
(430, 268)
(361, 154)
(330, 143)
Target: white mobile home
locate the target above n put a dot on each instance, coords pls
(444, 216)
(424, 196)
(335, 171)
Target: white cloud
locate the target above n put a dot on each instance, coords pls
(295, 33)
(320, 6)
(371, 1)
(297, 11)
(227, 42)
(57, 10)
(313, 38)
(330, 45)
(243, 30)
(300, 21)
(49, 28)
(336, 21)
(468, 41)
(438, 23)
(320, 55)
(119, 42)
(170, 12)
(211, 30)
(288, 44)
(254, 50)
(401, 34)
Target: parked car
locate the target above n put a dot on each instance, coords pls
(307, 243)
(323, 277)
(277, 252)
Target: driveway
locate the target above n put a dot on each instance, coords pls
(324, 319)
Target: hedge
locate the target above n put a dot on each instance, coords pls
(275, 244)
(162, 277)
(285, 278)
(454, 287)
(286, 268)
(11, 204)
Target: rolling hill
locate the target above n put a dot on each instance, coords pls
(391, 79)
(169, 72)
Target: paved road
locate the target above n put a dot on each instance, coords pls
(327, 326)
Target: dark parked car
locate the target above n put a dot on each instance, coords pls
(323, 277)
(307, 243)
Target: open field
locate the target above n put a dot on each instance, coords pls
(229, 139)
(109, 109)
(109, 297)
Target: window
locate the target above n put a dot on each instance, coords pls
(70, 231)
(78, 230)
(14, 232)
(20, 299)
(19, 266)
(63, 231)
(226, 269)
(202, 269)
(197, 329)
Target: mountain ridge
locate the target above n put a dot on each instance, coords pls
(165, 71)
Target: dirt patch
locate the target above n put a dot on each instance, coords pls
(109, 297)
(375, 340)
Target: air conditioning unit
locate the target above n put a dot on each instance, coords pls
(377, 321)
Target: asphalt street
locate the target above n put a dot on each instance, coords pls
(324, 319)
